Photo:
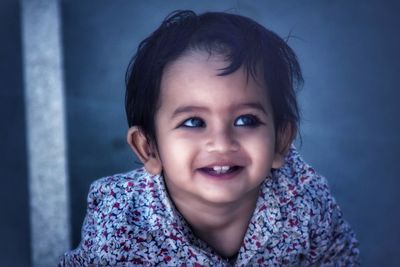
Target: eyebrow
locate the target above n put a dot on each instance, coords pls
(188, 109)
(254, 105)
(191, 109)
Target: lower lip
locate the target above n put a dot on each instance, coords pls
(221, 176)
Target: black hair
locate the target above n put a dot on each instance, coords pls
(242, 41)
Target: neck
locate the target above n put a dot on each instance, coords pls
(221, 225)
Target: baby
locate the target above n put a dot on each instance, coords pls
(212, 111)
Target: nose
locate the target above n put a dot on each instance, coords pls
(222, 141)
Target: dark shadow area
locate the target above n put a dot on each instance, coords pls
(14, 230)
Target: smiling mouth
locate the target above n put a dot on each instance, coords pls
(220, 171)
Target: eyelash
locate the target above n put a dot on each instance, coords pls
(192, 119)
(253, 123)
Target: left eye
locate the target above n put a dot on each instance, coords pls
(193, 123)
(247, 120)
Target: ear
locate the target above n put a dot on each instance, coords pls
(144, 150)
(284, 139)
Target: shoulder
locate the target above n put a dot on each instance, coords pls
(123, 182)
(117, 218)
(303, 195)
(121, 195)
(309, 208)
(130, 186)
(298, 180)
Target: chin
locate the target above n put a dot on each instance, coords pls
(221, 197)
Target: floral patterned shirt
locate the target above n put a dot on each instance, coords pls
(131, 221)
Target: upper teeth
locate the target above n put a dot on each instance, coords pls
(221, 169)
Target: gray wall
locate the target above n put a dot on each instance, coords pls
(348, 51)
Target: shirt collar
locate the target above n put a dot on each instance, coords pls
(277, 190)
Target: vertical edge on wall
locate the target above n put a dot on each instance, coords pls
(46, 136)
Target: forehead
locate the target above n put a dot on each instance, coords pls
(196, 76)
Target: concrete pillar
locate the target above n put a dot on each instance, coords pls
(46, 138)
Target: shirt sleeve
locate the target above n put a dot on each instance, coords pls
(83, 255)
(332, 241)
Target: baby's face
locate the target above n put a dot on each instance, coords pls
(215, 134)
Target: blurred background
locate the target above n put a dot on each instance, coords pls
(349, 52)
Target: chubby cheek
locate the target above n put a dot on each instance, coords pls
(260, 148)
(177, 155)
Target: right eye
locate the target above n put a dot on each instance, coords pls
(193, 123)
